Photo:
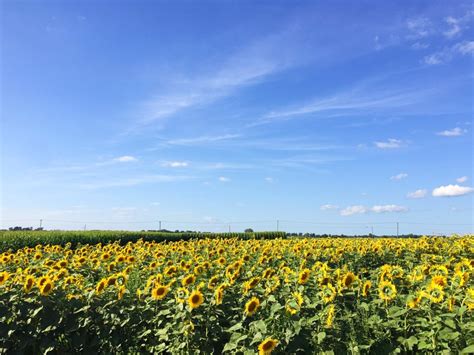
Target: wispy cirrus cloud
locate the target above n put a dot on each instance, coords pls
(419, 27)
(457, 25)
(328, 207)
(448, 53)
(368, 96)
(250, 65)
(201, 139)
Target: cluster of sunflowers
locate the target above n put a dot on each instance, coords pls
(245, 296)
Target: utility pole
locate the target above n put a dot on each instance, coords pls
(229, 228)
(372, 228)
(41, 223)
(398, 228)
(160, 225)
(278, 225)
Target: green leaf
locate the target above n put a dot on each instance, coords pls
(468, 350)
(321, 337)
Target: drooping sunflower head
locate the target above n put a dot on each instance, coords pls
(101, 286)
(212, 282)
(330, 316)
(252, 306)
(366, 288)
(195, 299)
(4, 276)
(267, 346)
(303, 276)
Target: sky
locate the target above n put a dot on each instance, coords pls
(328, 117)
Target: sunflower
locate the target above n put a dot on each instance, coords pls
(29, 283)
(212, 282)
(4, 277)
(348, 279)
(251, 284)
(330, 316)
(387, 291)
(46, 288)
(252, 306)
(188, 280)
(303, 277)
(328, 293)
(112, 280)
(121, 292)
(159, 292)
(451, 303)
(267, 346)
(181, 294)
(469, 300)
(366, 287)
(101, 286)
(219, 294)
(439, 280)
(298, 297)
(195, 299)
(436, 293)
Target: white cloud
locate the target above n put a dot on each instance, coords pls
(125, 159)
(269, 179)
(399, 176)
(223, 179)
(328, 207)
(451, 191)
(175, 164)
(350, 210)
(466, 47)
(462, 179)
(388, 208)
(419, 27)
(420, 193)
(448, 53)
(419, 45)
(390, 144)
(359, 209)
(454, 27)
(455, 132)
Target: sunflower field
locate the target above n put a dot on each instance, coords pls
(331, 296)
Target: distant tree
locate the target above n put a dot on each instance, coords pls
(249, 230)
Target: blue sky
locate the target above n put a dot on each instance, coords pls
(329, 116)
